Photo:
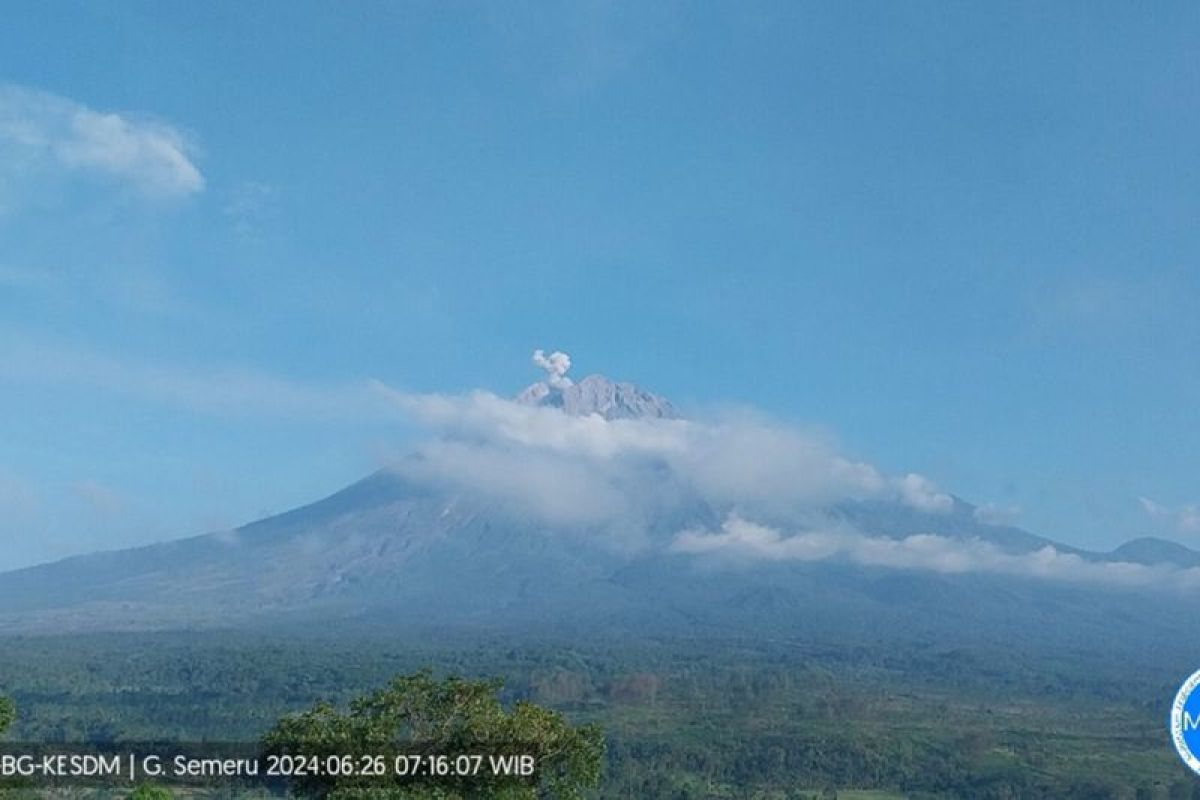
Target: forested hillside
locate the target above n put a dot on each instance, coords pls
(681, 719)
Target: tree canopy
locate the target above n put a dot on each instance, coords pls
(147, 791)
(461, 724)
(7, 713)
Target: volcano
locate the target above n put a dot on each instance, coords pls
(407, 549)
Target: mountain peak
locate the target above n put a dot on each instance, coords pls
(595, 394)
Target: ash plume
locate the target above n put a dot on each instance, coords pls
(556, 366)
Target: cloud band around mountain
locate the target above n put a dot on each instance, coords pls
(616, 475)
(742, 540)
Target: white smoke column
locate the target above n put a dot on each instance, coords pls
(556, 365)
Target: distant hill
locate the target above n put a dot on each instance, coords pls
(1149, 550)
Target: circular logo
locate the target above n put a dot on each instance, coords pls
(1185, 722)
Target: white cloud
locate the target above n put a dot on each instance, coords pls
(44, 131)
(742, 540)
(1185, 519)
(730, 462)
(557, 490)
(922, 494)
(585, 470)
(1152, 508)
(483, 415)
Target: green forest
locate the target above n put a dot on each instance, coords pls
(660, 718)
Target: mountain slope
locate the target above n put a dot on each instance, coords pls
(403, 553)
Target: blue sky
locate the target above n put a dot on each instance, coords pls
(961, 239)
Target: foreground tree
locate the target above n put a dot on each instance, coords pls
(426, 738)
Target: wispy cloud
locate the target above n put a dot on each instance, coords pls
(1108, 307)
(217, 389)
(577, 48)
(18, 278)
(742, 540)
(1185, 519)
(42, 131)
(99, 498)
(997, 514)
(249, 205)
(18, 498)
